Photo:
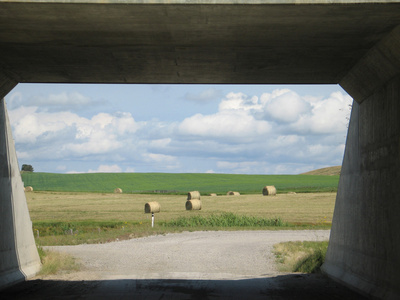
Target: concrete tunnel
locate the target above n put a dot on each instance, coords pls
(354, 43)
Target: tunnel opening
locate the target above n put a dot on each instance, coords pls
(53, 108)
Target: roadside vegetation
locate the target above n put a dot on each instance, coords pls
(55, 262)
(305, 257)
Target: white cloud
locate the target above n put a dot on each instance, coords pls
(160, 143)
(236, 125)
(106, 169)
(28, 124)
(284, 105)
(63, 99)
(276, 132)
(327, 116)
(53, 102)
(103, 133)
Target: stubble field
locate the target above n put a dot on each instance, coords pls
(308, 208)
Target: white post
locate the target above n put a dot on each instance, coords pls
(152, 219)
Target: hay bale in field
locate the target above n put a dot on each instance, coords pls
(118, 191)
(230, 193)
(28, 189)
(193, 204)
(269, 190)
(152, 207)
(193, 195)
(213, 194)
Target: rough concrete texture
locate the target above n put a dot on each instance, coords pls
(197, 41)
(19, 257)
(365, 238)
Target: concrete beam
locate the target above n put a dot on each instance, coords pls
(19, 258)
(377, 67)
(364, 245)
(197, 41)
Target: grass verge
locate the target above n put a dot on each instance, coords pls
(225, 220)
(305, 257)
(56, 262)
(93, 232)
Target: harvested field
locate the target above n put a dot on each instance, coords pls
(295, 208)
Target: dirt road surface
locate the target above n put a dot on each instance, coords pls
(189, 265)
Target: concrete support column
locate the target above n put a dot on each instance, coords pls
(364, 245)
(6, 84)
(19, 258)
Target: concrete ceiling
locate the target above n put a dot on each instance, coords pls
(201, 42)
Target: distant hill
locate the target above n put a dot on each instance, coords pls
(325, 171)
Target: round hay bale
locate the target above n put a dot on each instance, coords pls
(28, 189)
(193, 195)
(193, 204)
(230, 193)
(152, 207)
(269, 190)
(118, 191)
(213, 194)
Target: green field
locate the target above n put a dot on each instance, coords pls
(173, 183)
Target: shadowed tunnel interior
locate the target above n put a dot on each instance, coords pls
(300, 286)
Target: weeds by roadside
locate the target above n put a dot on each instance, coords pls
(225, 220)
(56, 262)
(305, 257)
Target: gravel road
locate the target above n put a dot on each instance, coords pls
(188, 255)
(190, 265)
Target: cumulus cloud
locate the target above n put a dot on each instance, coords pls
(269, 133)
(284, 105)
(78, 136)
(237, 125)
(327, 116)
(277, 126)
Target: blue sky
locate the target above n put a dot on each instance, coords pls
(239, 129)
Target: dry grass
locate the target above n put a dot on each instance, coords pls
(305, 256)
(330, 171)
(56, 262)
(307, 208)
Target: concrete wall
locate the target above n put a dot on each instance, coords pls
(364, 249)
(18, 254)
